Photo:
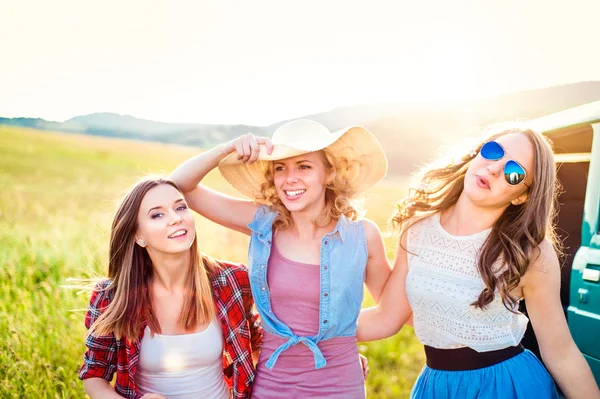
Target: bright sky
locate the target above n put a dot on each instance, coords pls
(258, 62)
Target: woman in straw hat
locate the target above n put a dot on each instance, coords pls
(476, 238)
(309, 252)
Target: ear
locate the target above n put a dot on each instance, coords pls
(140, 241)
(330, 177)
(521, 199)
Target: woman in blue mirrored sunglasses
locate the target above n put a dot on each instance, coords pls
(471, 247)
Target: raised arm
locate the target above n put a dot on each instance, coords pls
(566, 364)
(231, 212)
(393, 309)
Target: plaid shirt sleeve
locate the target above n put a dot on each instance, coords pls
(242, 328)
(100, 358)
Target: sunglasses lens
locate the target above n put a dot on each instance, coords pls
(513, 173)
(492, 151)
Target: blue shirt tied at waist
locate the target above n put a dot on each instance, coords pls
(343, 261)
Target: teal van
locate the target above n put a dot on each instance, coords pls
(576, 136)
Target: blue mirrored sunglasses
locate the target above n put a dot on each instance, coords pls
(514, 173)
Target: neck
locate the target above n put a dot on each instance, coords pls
(304, 227)
(171, 271)
(465, 218)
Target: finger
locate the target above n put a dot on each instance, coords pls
(254, 149)
(270, 146)
(267, 142)
(239, 149)
(246, 148)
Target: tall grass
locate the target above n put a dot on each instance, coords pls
(58, 193)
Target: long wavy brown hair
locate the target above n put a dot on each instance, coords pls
(517, 233)
(340, 194)
(130, 270)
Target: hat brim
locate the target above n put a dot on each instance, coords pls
(361, 143)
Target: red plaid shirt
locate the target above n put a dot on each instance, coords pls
(242, 334)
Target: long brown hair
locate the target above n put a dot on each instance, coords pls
(130, 269)
(517, 233)
(340, 193)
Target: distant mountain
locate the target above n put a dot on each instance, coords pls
(126, 126)
(203, 135)
(409, 132)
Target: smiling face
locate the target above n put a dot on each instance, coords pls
(300, 181)
(165, 224)
(485, 184)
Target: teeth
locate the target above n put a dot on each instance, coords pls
(178, 234)
(295, 192)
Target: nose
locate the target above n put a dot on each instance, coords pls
(495, 168)
(291, 178)
(175, 218)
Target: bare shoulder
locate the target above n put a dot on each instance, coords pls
(544, 267)
(544, 259)
(374, 238)
(372, 230)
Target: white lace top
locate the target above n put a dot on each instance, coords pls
(443, 281)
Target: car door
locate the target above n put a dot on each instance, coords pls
(584, 308)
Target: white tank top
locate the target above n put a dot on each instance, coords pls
(443, 281)
(183, 366)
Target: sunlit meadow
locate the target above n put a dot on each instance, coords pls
(58, 193)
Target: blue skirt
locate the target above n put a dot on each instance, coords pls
(520, 377)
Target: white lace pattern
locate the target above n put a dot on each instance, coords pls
(443, 281)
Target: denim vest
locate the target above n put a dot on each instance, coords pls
(343, 263)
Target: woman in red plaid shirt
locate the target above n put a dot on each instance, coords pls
(169, 321)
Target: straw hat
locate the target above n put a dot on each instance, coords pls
(302, 136)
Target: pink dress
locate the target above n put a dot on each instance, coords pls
(294, 289)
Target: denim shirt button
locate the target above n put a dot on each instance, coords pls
(325, 242)
(264, 288)
(326, 295)
(325, 267)
(324, 321)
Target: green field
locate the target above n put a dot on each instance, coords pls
(58, 193)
